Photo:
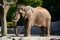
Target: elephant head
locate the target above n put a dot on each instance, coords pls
(22, 11)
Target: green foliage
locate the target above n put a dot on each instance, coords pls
(54, 8)
(31, 2)
(24, 2)
(10, 12)
(10, 24)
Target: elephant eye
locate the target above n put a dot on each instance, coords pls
(21, 9)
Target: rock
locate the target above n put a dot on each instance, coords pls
(53, 39)
(30, 38)
(5, 38)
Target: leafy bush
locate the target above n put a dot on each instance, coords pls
(9, 24)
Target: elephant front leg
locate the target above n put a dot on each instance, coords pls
(27, 29)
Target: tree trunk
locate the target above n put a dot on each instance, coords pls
(3, 20)
(6, 6)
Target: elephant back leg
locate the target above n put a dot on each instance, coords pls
(48, 26)
(43, 28)
(42, 31)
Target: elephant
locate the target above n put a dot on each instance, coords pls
(38, 16)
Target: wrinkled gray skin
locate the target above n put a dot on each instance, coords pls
(33, 16)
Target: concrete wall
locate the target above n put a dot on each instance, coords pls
(55, 27)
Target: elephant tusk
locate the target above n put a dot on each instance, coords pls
(14, 20)
(0, 4)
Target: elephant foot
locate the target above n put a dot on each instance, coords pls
(43, 35)
(48, 35)
(16, 34)
(27, 35)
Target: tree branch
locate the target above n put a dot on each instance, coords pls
(10, 3)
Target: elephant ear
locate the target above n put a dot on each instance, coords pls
(28, 13)
(30, 9)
